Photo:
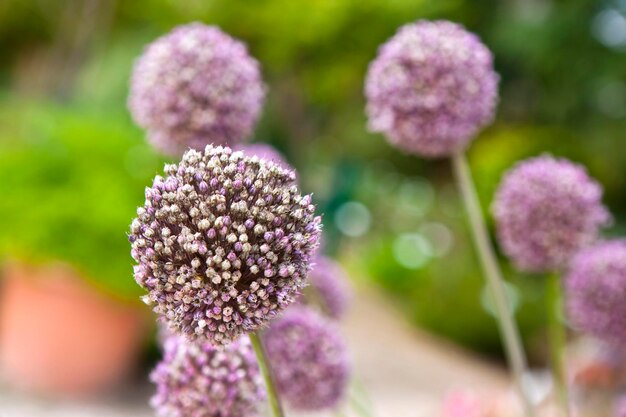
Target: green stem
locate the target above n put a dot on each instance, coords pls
(361, 409)
(557, 339)
(266, 371)
(508, 328)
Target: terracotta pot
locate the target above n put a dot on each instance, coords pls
(59, 336)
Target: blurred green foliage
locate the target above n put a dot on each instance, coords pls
(71, 182)
(563, 91)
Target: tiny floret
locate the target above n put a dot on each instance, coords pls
(546, 209)
(196, 86)
(223, 243)
(595, 287)
(309, 359)
(431, 88)
(197, 379)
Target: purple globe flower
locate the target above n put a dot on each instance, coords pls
(431, 88)
(329, 287)
(545, 210)
(309, 359)
(595, 288)
(265, 151)
(223, 243)
(196, 379)
(196, 86)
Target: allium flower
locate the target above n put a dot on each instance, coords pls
(196, 86)
(329, 287)
(265, 151)
(309, 359)
(431, 88)
(223, 243)
(545, 210)
(196, 379)
(595, 288)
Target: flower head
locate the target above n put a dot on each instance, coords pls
(545, 210)
(223, 243)
(196, 86)
(432, 88)
(197, 379)
(309, 359)
(329, 287)
(595, 287)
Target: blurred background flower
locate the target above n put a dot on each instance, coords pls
(309, 358)
(196, 86)
(595, 287)
(546, 209)
(431, 88)
(199, 379)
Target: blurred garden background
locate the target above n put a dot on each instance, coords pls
(73, 165)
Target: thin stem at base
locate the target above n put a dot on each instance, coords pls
(557, 339)
(360, 400)
(359, 407)
(266, 371)
(508, 328)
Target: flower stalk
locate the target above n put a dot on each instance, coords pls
(557, 339)
(508, 328)
(266, 371)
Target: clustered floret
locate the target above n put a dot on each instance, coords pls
(432, 88)
(223, 243)
(545, 210)
(595, 287)
(196, 86)
(309, 359)
(265, 151)
(197, 379)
